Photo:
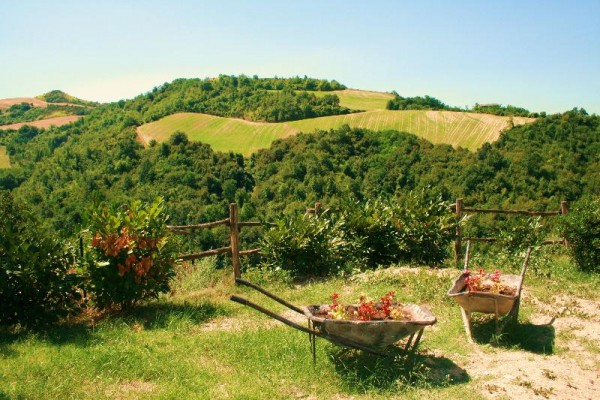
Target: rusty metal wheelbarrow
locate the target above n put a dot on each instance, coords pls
(370, 336)
(488, 303)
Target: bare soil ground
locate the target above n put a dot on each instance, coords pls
(6, 103)
(570, 370)
(45, 123)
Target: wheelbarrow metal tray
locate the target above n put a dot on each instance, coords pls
(485, 302)
(374, 334)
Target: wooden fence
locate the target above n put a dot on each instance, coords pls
(460, 210)
(235, 227)
(234, 234)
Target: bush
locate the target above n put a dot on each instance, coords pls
(306, 245)
(373, 231)
(132, 254)
(416, 227)
(581, 227)
(37, 282)
(425, 227)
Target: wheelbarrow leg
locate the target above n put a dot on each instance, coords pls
(466, 317)
(411, 346)
(313, 342)
(408, 342)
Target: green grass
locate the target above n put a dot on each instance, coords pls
(195, 343)
(468, 130)
(4, 159)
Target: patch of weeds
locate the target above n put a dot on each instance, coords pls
(590, 345)
(549, 374)
(199, 275)
(544, 392)
(539, 391)
(519, 381)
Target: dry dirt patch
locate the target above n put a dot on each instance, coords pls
(45, 123)
(572, 371)
(6, 103)
(131, 390)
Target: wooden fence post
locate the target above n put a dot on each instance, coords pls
(235, 240)
(564, 209)
(317, 207)
(457, 241)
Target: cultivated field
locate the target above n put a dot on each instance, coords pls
(360, 99)
(468, 130)
(4, 159)
(45, 123)
(6, 103)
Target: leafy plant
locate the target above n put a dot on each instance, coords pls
(424, 225)
(581, 227)
(372, 229)
(37, 281)
(306, 245)
(132, 254)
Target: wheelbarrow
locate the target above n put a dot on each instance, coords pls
(499, 304)
(370, 336)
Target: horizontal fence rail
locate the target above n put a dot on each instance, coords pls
(233, 250)
(459, 209)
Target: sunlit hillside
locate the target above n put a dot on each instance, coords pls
(468, 130)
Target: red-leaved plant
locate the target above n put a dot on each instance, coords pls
(132, 258)
(367, 309)
(484, 282)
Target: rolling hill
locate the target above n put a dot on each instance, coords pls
(468, 130)
(54, 108)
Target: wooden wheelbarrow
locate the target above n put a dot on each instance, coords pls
(486, 302)
(370, 336)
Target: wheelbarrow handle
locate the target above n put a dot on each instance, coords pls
(271, 295)
(271, 314)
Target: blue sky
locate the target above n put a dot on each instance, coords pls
(541, 55)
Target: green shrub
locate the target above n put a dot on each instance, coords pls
(132, 254)
(425, 227)
(306, 245)
(581, 227)
(414, 227)
(371, 225)
(37, 282)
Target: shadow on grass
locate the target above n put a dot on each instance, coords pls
(361, 371)
(171, 316)
(537, 339)
(77, 334)
(157, 315)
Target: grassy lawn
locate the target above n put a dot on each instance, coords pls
(196, 344)
(468, 130)
(4, 159)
